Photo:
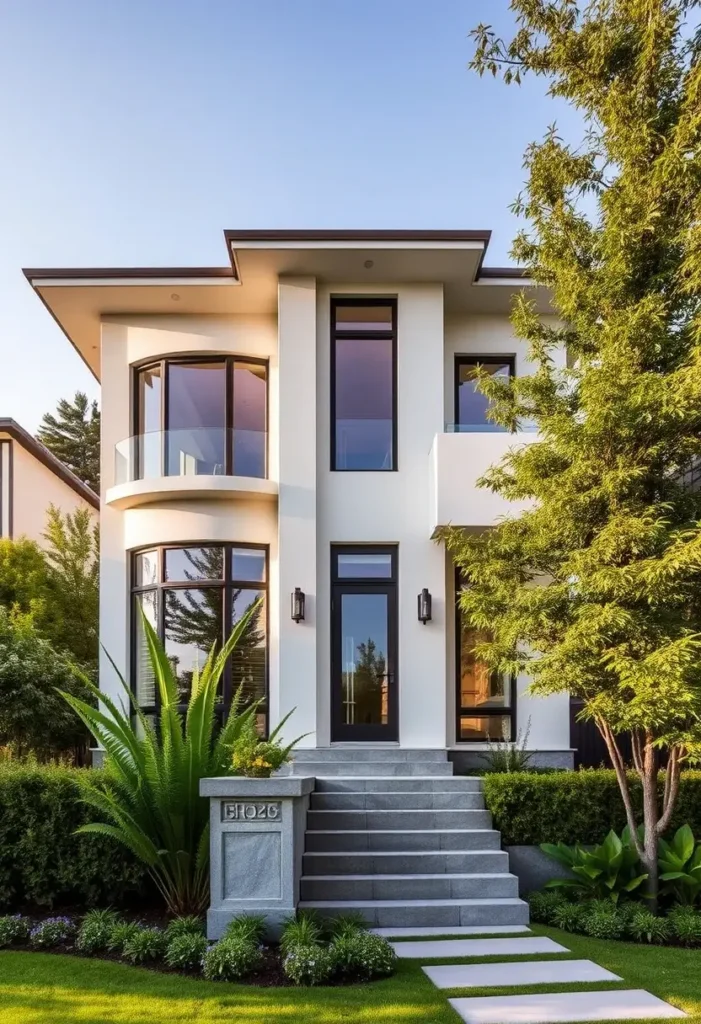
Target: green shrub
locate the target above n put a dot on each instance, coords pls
(145, 945)
(342, 924)
(608, 871)
(543, 905)
(570, 916)
(231, 959)
(13, 929)
(680, 866)
(308, 965)
(247, 926)
(362, 956)
(52, 932)
(42, 861)
(601, 919)
(188, 924)
(530, 808)
(121, 933)
(643, 926)
(96, 930)
(302, 930)
(685, 923)
(186, 951)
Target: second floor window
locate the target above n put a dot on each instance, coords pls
(470, 404)
(201, 417)
(363, 384)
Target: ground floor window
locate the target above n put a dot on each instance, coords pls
(485, 699)
(194, 595)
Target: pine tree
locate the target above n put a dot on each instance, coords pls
(73, 435)
(596, 588)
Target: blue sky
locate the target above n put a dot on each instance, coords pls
(135, 131)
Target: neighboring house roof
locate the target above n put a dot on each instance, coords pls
(48, 459)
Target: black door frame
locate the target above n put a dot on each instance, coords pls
(386, 585)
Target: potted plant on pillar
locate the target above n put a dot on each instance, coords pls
(257, 758)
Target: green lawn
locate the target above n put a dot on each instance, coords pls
(38, 988)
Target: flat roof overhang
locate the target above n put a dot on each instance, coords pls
(80, 298)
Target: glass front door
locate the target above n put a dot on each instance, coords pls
(364, 631)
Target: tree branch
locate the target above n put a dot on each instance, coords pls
(671, 786)
(617, 761)
(637, 752)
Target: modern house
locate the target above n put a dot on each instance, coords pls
(293, 428)
(32, 479)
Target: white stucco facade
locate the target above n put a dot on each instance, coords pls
(304, 507)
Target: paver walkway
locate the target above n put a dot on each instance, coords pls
(546, 1008)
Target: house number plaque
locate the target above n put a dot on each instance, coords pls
(250, 810)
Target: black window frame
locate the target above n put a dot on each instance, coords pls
(336, 334)
(466, 358)
(462, 711)
(228, 584)
(164, 362)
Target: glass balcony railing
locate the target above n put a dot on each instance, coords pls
(205, 451)
(525, 426)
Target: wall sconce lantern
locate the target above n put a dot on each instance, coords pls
(424, 601)
(298, 605)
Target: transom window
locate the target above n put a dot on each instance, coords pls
(470, 404)
(363, 384)
(193, 596)
(485, 699)
(201, 417)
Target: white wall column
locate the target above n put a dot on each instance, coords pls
(297, 505)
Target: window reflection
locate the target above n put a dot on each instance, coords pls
(471, 404)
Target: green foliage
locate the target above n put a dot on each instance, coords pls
(13, 929)
(73, 435)
(680, 866)
(33, 717)
(145, 945)
(505, 756)
(302, 930)
(685, 923)
(259, 758)
(570, 917)
(543, 904)
(96, 930)
(42, 860)
(187, 924)
(532, 808)
(344, 924)
(644, 926)
(610, 870)
(594, 588)
(602, 920)
(308, 965)
(247, 926)
(358, 955)
(23, 575)
(148, 796)
(52, 931)
(121, 934)
(70, 618)
(231, 959)
(186, 951)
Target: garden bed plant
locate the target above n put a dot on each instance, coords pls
(311, 951)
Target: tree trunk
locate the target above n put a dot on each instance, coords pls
(649, 775)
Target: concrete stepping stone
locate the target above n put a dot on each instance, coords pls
(534, 972)
(444, 948)
(465, 929)
(552, 1007)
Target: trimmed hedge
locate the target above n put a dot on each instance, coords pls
(42, 862)
(531, 808)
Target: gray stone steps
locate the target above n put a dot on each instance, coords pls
(532, 972)
(417, 913)
(551, 1007)
(356, 752)
(398, 819)
(376, 769)
(407, 862)
(411, 887)
(397, 801)
(442, 949)
(334, 840)
(419, 933)
(399, 784)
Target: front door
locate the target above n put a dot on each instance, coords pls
(364, 644)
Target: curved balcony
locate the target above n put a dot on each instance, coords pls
(207, 462)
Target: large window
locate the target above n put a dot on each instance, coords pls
(363, 384)
(485, 699)
(470, 404)
(201, 417)
(193, 596)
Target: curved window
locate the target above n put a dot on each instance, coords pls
(194, 595)
(201, 417)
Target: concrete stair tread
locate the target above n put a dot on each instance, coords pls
(406, 878)
(549, 1007)
(406, 853)
(388, 778)
(511, 901)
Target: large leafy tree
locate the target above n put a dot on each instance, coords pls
(596, 588)
(73, 435)
(70, 618)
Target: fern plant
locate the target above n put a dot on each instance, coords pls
(150, 799)
(505, 756)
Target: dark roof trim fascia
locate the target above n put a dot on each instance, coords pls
(507, 272)
(48, 459)
(105, 273)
